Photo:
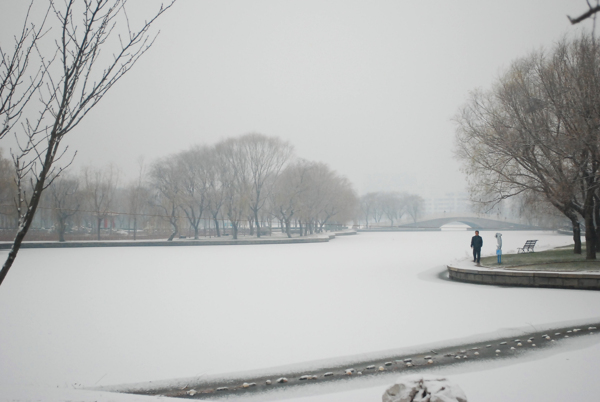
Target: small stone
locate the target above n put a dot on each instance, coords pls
(557, 334)
(429, 361)
(545, 336)
(569, 332)
(371, 367)
(381, 368)
(434, 352)
(474, 348)
(268, 382)
(328, 374)
(532, 338)
(387, 364)
(304, 377)
(252, 384)
(407, 360)
(502, 343)
(192, 392)
(348, 372)
(498, 350)
(488, 346)
(533, 344)
(429, 357)
(222, 389)
(457, 357)
(592, 328)
(476, 353)
(517, 340)
(463, 351)
(409, 364)
(465, 356)
(519, 344)
(566, 336)
(359, 373)
(512, 348)
(282, 380)
(529, 341)
(245, 385)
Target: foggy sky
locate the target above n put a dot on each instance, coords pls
(368, 87)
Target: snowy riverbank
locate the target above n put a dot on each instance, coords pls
(91, 317)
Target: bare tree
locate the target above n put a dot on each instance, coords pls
(265, 157)
(414, 205)
(137, 197)
(165, 176)
(232, 165)
(291, 184)
(75, 78)
(367, 206)
(17, 82)
(537, 130)
(65, 201)
(194, 184)
(100, 187)
(8, 193)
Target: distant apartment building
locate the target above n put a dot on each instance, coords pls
(449, 203)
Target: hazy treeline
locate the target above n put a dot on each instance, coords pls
(535, 135)
(252, 182)
(389, 206)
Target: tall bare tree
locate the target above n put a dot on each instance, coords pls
(100, 187)
(65, 200)
(537, 130)
(75, 78)
(265, 157)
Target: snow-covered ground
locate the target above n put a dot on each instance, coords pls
(77, 318)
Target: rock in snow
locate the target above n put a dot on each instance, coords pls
(425, 389)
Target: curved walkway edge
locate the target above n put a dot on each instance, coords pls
(463, 272)
(321, 238)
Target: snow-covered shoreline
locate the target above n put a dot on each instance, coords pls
(83, 318)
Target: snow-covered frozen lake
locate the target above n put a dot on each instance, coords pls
(74, 318)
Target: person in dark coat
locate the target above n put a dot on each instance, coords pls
(476, 244)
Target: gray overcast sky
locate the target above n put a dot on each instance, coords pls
(369, 87)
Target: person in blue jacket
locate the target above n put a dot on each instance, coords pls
(476, 244)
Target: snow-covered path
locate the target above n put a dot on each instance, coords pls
(86, 317)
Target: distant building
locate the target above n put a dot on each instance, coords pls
(450, 203)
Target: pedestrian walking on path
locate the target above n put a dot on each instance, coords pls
(476, 244)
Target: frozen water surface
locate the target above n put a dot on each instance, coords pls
(73, 318)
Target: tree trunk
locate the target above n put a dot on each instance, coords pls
(287, 228)
(590, 234)
(99, 223)
(61, 230)
(597, 221)
(217, 226)
(134, 228)
(257, 223)
(234, 226)
(300, 226)
(251, 226)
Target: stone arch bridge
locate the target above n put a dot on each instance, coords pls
(473, 222)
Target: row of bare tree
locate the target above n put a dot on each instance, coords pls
(252, 179)
(392, 206)
(536, 134)
(247, 181)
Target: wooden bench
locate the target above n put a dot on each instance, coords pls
(528, 247)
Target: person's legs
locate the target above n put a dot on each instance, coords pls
(477, 254)
(474, 254)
